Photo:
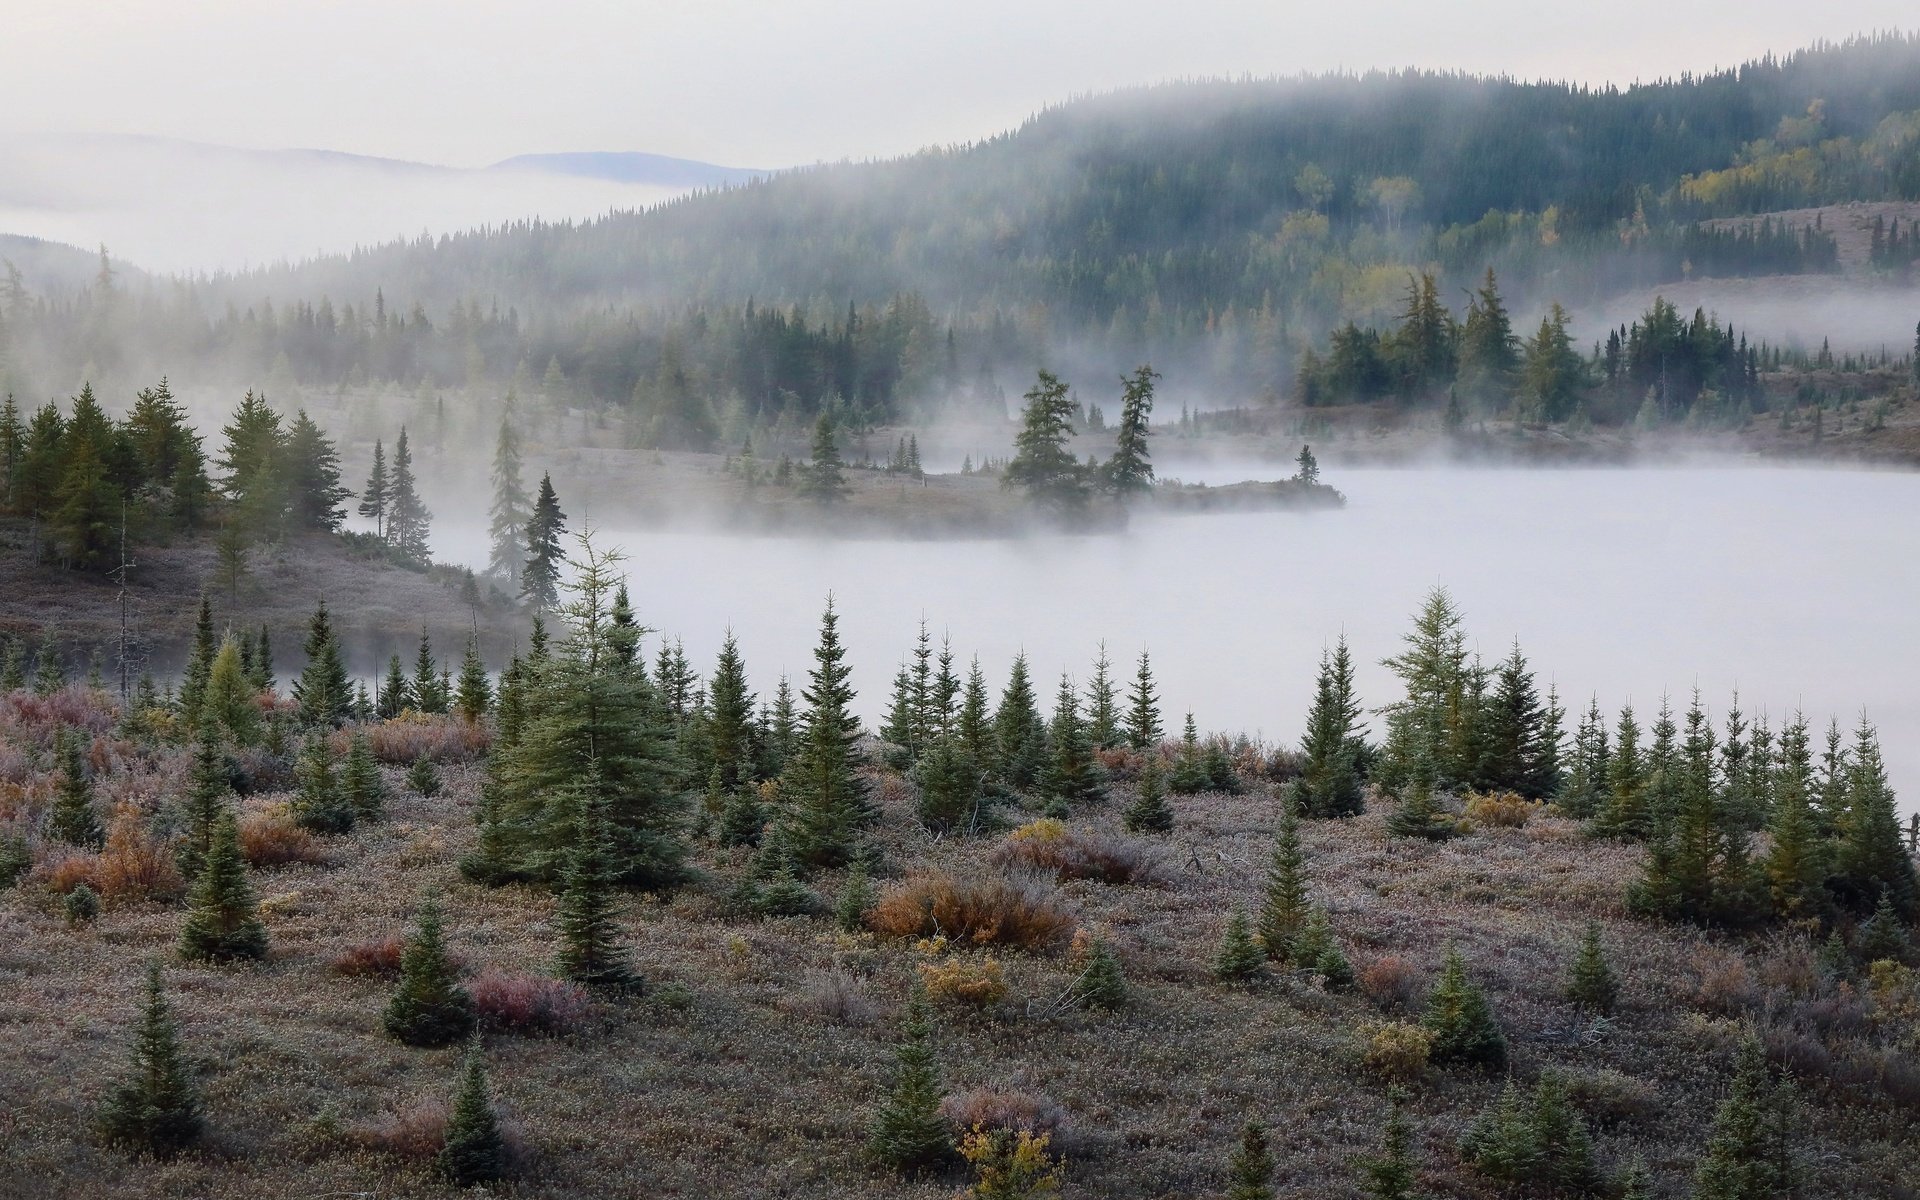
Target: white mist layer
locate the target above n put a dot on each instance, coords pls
(1795, 586)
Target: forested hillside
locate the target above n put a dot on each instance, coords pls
(1213, 228)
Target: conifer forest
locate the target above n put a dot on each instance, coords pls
(1307, 633)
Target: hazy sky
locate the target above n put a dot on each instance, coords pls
(778, 82)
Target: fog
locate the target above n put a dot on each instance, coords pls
(1794, 586)
(1781, 310)
(171, 206)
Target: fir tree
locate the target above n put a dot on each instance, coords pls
(474, 1151)
(1500, 1143)
(1591, 983)
(49, 673)
(1390, 1174)
(396, 695)
(1150, 812)
(229, 702)
(13, 671)
(1250, 1170)
(322, 691)
(427, 692)
(1130, 471)
(590, 951)
(510, 510)
(540, 570)
(1330, 776)
(423, 777)
(730, 731)
(408, 518)
(205, 800)
(1043, 464)
(1143, 707)
(1871, 863)
(856, 897)
(1283, 908)
(827, 801)
(1189, 767)
(1103, 705)
(1101, 983)
(1562, 1146)
(222, 923)
(1795, 868)
(950, 786)
(261, 671)
(315, 498)
(907, 1132)
(1882, 937)
(743, 819)
(72, 818)
(361, 786)
(1748, 1155)
(1316, 949)
(974, 725)
(1239, 958)
(428, 1006)
(1431, 719)
(373, 497)
(1460, 1019)
(1419, 814)
(155, 1108)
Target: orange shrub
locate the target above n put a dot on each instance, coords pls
(982, 909)
(64, 870)
(379, 956)
(1048, 845)
(1726, 986)
(1500, 810)
(412, 735)
(271, 839)
(1390, 981)
(976, 984)
(135, 865)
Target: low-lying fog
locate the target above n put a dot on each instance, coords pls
(1797, 587)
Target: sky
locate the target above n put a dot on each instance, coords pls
(769, 83)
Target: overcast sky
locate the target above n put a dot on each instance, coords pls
(776, 82)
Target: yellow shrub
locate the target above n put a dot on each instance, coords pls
(1503, 810)
(1397, 1051)
(976, 984)
(1046, 829)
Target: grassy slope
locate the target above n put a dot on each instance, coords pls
(750, 1092)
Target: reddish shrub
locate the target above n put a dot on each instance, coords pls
(379, 956)
(415, 1132)
(993, 1108)
(271, 839)
(983, 909)
(135, 865)
(1391, 981)
(64, 870)
(1048, 845)
(509, 1002)
(415, 735)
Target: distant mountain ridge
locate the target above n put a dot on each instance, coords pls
(632, 166)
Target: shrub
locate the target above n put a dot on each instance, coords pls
(1010, 1165)
(423, 777)
(414, 1132)
(1396, 1051)
(376, 956)
(836, 995)
(1725, 985)
(993, 1109)
(1391, 981)
(412, 736)
(273, 839)
(1048, 845)
(512, 1002)
(977, 984)
(985, 910)
(1610, 1098)
(1500, 810)
(135, 865)
(64, 870)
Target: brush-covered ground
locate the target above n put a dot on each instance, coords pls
(751, 1062)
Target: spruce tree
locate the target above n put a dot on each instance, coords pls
(1071, 776)
(1430, 720)
(1748, 1156)
(1101, 983)
(907, 1132)
(396, 694)
(827, 803)
(230, 699)
(1189, 764)
(1795, 868)
(1562, 1146)
(320, 804)
(428, 1006)
(222, 923)
(1623, 814)
(1316, 949)
(1283, 908)
(474, 1151)
(408, 518)
(950, 786)
(856, 897)
(1500, 1142)
(361, 785)
(49, 673)
(1330, 776)
(1103, 705)
(206, 799)
(193, 686)
(1882, 937)
(974, 725)
(1239, 958)
(823, 480)
(13, 670)
(322, 691)
(540, 569)
(1130, 471)
(1460, 1019)
(312, 469)
(1143, 707)
(1591, 983)
(1419, 814)
(1043, 463)
(474, 695)
(423, 777)
(1020, 737)
(1250, 1170)
(155, 1109)
(590, 950)
(1870, 861)
(373, 497)
(1389, 1175)
(507, 517)
(72, 818)
(1150, 812)
(730, 730)
(428, 692)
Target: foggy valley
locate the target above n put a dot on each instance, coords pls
(1342, 630)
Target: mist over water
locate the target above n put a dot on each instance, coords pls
(1795, 586)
